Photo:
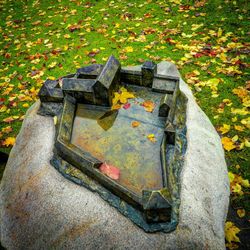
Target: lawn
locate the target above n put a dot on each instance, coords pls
(207, 40)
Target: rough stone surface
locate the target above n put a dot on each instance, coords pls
(40, 209)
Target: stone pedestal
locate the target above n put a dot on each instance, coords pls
(40, 209)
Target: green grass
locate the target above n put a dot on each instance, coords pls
(111, 26)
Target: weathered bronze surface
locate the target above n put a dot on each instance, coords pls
(90, 133)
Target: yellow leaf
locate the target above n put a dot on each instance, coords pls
(51, 78)
(247, 143)
(55, 120)
(213, 81)
(231, 176)
(228, 102)
(122, 89)
(3, 109)
(241, 212)
(246, 122)
(52, 65)
(116, 98)
(116, 106)
(242, 111)
(240, 92)
(151, 137)
(239, 128)
(245, 183)
(234, 119)
(25, 105)
(9, 141)
(121, 97)
(237, 188)
(235, 138)
(7, 129)
(230, 232)
(241, 146)
(223, 57)
(224, 129)
(219, 32)
(232, 246)
(125, 96)
(196, 72)
(237, 166)
(129, 49)
(67, 36)
(227, 143)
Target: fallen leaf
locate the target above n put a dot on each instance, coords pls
(148, 106)
(9, 119)
(121, 97)
(7, 129)
(129, 49)
(241, 212)
(245, 183)
(224, 129)
(116, 106)
(135, 124)
(52, 65)
(55, 120)
(25, 105)
(237, 188)
(9, 141)
(126, 106)
(110, 171)
(235, 138)
(67, 36)
(230, 232)
(239, 128)
(73, 28)
(151, 137)
(125, 96)
(247, 143)
(231, 176)
(227, 143)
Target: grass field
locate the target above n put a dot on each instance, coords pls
(207, 40)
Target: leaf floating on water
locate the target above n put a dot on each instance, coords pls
(111, 171)
(116, 99)
(148, 106)
(151, 137)
(126, 106)
(55, 120)
(116, 106)
(135, 124)
(125, 96)
(121, 97)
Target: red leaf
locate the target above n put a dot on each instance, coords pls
(72, 28)
(213, 53)
(126, 106)
(110, 171)
(7, 55)
(9, 119)
(2, 100)
(197, 55)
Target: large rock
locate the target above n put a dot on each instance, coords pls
(40, 209)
